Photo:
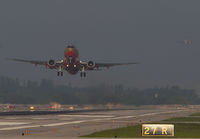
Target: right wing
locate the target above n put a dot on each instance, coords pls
(29, 61)
(52, 64)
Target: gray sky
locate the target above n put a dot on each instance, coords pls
(143, 31)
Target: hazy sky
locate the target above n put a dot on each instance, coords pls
(143, 31)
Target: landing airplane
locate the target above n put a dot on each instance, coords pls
(71, 63)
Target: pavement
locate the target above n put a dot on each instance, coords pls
(73, 125)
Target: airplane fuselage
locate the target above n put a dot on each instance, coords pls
(71, 62)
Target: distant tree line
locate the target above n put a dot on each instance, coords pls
(45, 91)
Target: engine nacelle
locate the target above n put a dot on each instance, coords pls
(91, 65)
(51, 64)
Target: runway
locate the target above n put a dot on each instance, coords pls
(82, 123)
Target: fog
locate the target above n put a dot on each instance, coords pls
(144, 31)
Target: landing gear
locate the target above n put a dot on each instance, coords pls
(83, 73)
(60, 73)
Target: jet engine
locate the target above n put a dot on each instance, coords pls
(51, 64)
(90, 64)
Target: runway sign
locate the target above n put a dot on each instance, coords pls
(158, 130)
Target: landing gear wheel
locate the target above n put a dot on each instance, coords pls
(60, 72)
(83, 74)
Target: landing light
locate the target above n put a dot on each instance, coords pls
(32, 108)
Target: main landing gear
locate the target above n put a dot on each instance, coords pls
(83, 73)
(60, 72)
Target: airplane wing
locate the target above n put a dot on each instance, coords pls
(52, 64)
(112, 64)
(29, 61)
(97, 66)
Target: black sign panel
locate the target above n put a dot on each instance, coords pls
(157, 130)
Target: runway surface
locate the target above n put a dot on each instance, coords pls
(82, 123)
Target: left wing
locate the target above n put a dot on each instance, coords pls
(113, 64)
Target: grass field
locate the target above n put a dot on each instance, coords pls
(184, 119)
(196, 114)
(182, 130)
(130, 131)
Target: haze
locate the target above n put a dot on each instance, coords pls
(144, 31)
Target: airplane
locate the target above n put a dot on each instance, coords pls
(71, 63)
(185, 42)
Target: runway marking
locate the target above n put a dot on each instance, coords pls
(122, 117)
(40, 118)
(11, 118)
(101, 116)
(66, 118)
(20, 127)
(89, 120)
(13, 123)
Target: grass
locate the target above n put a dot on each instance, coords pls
(184, 119)
(130, 131)
(182, 130)
(196, 114)
(187, 130)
